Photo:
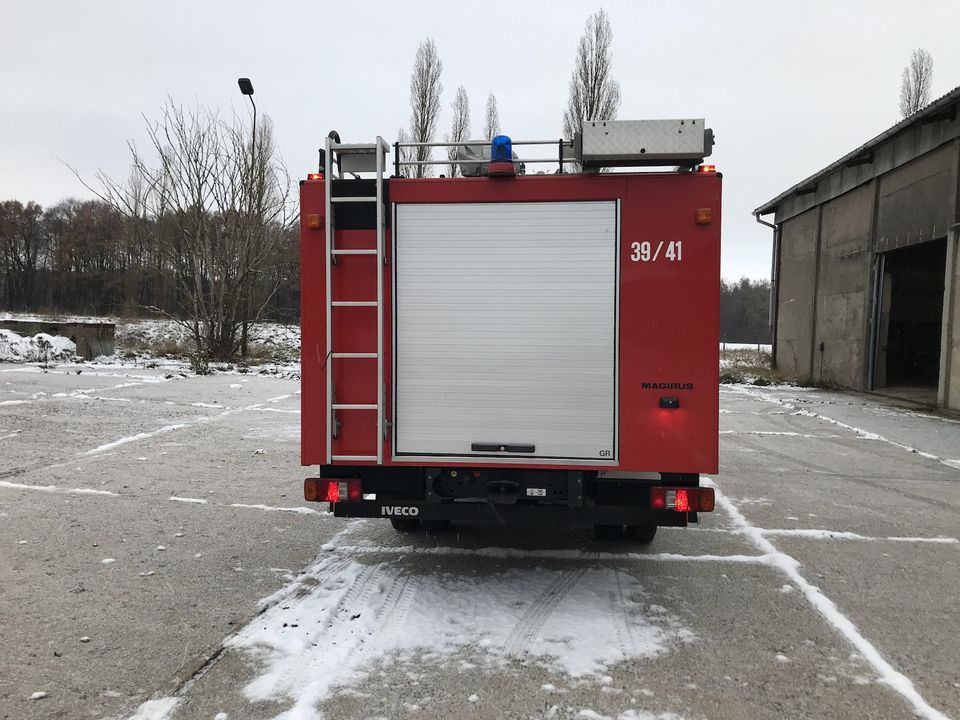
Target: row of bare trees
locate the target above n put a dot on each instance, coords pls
(594, 95)
(80, 257)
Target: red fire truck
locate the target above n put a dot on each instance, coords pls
(511, 347)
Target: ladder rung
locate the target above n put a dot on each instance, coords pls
(361, 458)
(352, 356)
(353, 199)
(354, 252)
(355, 303)
(354, 406)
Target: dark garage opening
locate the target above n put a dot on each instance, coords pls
(911, 310)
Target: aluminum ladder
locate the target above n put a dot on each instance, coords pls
(354, 158)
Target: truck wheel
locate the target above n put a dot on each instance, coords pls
(404, 524)
(608, 532)
(643, 534)
(435, 526)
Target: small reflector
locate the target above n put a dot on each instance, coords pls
(314, 176)
(311, 490)
(658, 498)
(313, 221)
(354, 491)
(707, 168)
(706, 500)
(703, 216)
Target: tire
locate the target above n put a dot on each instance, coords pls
(435, 526)
(608, 532)
(404, 524)
(643, 534)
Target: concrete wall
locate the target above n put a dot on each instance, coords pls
(844, 289)
(798, 262)
(949, 395)
(918, 200)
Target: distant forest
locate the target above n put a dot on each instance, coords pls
(745, 311)
(85, 258)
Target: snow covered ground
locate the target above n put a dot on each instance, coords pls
(37, 348)
(144, 339)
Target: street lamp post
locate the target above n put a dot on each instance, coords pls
(246, 87)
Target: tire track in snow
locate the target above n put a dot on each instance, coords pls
(620, 609)
(527, 629)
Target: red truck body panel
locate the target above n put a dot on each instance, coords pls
(668, 340)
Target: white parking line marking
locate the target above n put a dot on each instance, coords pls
(860, 432)
(775, 433)
(815, 534)
(299, 510)
(896, 680)
(179, 426)
(54, 489)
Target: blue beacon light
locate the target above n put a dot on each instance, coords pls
(501, 157)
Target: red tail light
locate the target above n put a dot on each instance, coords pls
(319, 490)
(682, 499)
(333, 491)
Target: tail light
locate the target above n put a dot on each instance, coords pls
(707, 168)
(319, 490)
(682, 499)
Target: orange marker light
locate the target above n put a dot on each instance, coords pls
(707, 168)
(313, 221)
(703, 216)
(314, 176)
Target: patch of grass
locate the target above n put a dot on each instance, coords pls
(748, 367)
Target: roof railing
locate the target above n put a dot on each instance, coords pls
(561, 157)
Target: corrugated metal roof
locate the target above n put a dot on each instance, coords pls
(931, 109)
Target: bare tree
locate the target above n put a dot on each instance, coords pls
(594, 94)
(491, 119)
(219, 206)
(460, 130)
(406, 154)
(916, 82)
(425, 89)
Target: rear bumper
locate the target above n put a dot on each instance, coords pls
(489, 513)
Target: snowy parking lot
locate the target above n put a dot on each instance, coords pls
(157, 561)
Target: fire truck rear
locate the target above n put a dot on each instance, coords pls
(514, 347)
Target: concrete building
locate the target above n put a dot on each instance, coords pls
(866, 275)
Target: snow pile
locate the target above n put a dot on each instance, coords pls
(360, 614)
(39, 348)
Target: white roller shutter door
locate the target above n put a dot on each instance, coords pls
(506, 330)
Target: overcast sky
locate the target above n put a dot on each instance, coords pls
(788, 87)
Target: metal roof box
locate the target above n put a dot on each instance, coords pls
(634, 143)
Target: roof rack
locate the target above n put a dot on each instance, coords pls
(681, 142)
